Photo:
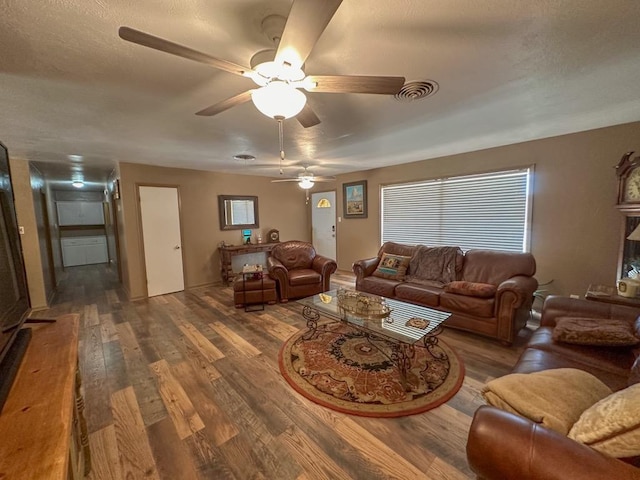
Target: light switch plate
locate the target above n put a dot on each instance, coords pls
(21, 230)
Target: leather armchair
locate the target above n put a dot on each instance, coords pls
(298, 270)
(504, 446)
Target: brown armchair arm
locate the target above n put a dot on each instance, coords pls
(280, 274)
(325, 266)
(364, 268)
(504, 446)
(556, 306)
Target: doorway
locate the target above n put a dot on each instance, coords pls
(162, 241)
(323, 223)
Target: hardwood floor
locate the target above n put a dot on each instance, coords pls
(185, 386)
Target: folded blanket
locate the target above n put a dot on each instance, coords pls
(433, 264)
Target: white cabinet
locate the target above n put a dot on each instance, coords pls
(80, 213)
(84, 250)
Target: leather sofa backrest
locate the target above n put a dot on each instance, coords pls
(492, 266)
(396, 249)
(294, 254)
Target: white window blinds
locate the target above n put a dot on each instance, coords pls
(489, 211)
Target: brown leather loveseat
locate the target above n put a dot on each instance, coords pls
(298, 270)
(500, 314)
(503, 445)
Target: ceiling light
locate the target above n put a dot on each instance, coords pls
(279, 99)
(78, 183)
(305, 183)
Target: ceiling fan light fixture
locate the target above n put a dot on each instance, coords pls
(278, 99)
(306, 183)
(273, 70)
(78, 183)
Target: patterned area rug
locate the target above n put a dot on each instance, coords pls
(342, 370)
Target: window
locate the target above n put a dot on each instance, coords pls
(489, 211)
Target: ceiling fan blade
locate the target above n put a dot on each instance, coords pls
(226, 104)
(285, 180)
(353, 84)
(307, 20)
(147, 40)
(323, 179)
(307, 117)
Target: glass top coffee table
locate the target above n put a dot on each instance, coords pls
(392, 326)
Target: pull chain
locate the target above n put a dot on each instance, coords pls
(281, 138)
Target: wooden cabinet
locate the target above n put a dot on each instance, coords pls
(80, 213)
(84, 250)
(43, 433)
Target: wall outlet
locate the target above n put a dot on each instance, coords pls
(21, 230)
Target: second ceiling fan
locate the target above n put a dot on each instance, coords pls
(279, 82)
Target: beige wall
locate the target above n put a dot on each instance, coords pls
(576, 227)
(26, 215)
(281, 206)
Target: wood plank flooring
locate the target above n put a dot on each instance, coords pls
(185, 386)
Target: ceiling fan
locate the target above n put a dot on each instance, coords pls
(305, 179)
(279, 81)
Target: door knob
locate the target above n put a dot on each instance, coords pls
(177, 247)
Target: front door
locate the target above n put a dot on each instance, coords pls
(323, 223)
(162, 240)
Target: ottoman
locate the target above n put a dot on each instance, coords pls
(254, 290)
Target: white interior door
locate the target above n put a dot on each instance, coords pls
(323, 223)
(161, 237)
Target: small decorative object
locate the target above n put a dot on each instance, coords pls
(364, 306)
(259, 238)
(246, 237)
(273, 236)
(354, 197)
(628, 287)
(415, 322)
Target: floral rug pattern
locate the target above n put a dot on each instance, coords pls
(341, 369)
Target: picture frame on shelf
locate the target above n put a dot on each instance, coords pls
(354, 198)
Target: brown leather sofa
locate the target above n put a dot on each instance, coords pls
(298, 270)
(502, 445)
(500, 316)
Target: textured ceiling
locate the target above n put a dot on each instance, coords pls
(508, 71)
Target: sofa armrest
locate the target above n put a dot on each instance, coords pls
(557, 306)
(522, 286)
(505, 446)
(278, 271)
(325, 266)
(364, 268)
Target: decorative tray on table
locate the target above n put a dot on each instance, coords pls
(365, 306)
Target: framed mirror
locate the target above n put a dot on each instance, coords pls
(238, 212)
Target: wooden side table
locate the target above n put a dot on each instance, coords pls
(609, 294)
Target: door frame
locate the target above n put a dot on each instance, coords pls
(335, 220)
(141, 232)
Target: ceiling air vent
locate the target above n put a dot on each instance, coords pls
(417, 90)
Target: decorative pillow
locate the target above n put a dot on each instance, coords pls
(392, 266)
(554, 398)
(595, 331)
(471, 289)
(612, 425)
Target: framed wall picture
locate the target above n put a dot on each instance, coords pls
(354, 197)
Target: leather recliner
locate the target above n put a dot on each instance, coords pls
(299, 271)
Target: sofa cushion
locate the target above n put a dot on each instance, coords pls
(612, 425)
(613, 359)
(492, 266)
(473, 306)
(595, 331)
(472, 289)
(435, 264)
(540, 396)
(304, 276)
(392, 266)
(378, 286)
(422, 294)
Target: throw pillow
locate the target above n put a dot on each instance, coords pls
(435, 264)
(612, 425)
(554, 398)
(471, 289)
(392, 266)
(595, 331)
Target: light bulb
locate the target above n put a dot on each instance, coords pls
(279, 99)
(306, 183)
